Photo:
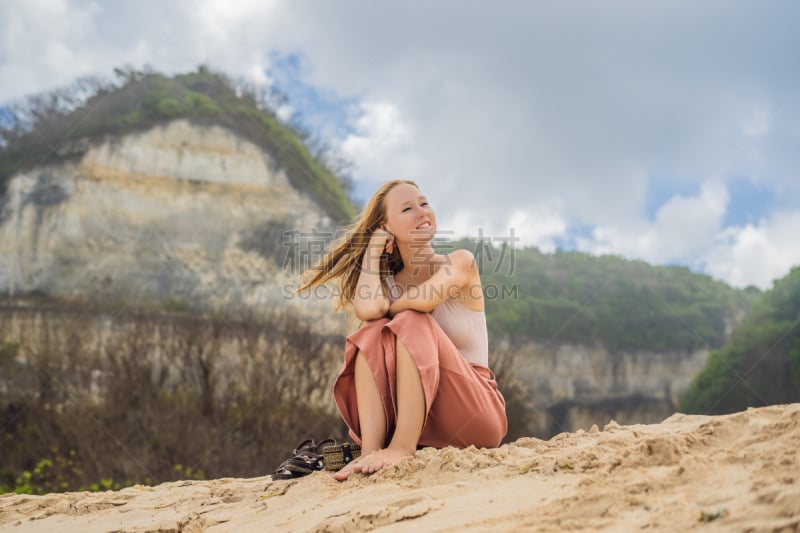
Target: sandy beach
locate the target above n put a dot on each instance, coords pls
(737, 472)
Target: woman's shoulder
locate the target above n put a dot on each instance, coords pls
(464, 260)
(461, 258)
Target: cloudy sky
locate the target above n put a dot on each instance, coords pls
(667, 131)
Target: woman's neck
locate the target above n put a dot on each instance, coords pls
(419, 260)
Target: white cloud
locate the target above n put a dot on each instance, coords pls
(218, 17)
(41, 41)
(688, 230)
(757, 123)
(756, 254)
(683, 229)
(382, 145)
(232, 36)
(537, 225)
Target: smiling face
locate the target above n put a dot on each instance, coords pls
(409, 216)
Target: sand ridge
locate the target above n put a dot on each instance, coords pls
(737, 472)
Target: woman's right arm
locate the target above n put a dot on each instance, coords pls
(370, 302)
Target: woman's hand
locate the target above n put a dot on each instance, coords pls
(370, 302)
(380, 241)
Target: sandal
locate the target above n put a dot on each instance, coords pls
(335, 456)
(306, 459)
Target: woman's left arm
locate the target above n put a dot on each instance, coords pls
(448, 282)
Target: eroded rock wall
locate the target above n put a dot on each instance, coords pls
(180, 213)
(572, 386)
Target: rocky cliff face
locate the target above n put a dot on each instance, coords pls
(180, 213)
(573, 387)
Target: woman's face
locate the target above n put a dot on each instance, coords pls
(409, 217)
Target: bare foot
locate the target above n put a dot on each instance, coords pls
(380, 459)
(372, 462)
(345, 472)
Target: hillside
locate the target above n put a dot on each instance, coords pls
(59, 126)
(576, 298)
(184, 193)
(760, 364)
(736, 472)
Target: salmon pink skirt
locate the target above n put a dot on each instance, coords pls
(462, 404)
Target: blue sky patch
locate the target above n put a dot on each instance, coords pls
(323, 112)
(748, 202)
(6, 118)
(575, 232)
(363, 190)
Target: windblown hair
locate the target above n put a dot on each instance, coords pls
(344, 261)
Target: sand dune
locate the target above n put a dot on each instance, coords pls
(738, 472)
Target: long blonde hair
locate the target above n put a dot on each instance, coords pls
(344, 261)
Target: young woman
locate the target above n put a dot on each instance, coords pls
(417, 372)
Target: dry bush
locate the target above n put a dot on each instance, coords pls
(164, 397)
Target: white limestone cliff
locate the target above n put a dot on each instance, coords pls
(181, 212)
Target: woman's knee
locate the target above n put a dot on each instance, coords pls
(491, 436)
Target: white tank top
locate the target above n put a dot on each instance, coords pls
(464, 326)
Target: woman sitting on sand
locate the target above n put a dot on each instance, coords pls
(416, 373)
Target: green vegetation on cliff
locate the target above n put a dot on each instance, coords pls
(52, 127)
(760, 364)
(576, 298)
